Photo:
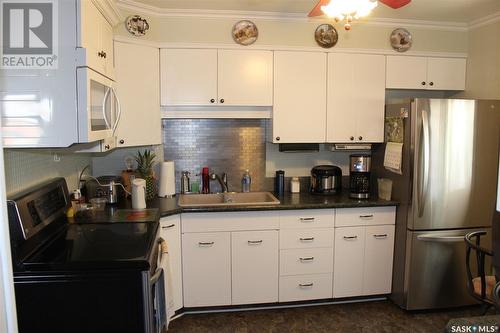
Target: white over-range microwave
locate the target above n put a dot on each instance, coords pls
(69, 104)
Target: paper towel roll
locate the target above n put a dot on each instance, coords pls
(167, 179)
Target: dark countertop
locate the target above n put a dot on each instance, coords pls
(168, 206)
(305, 200)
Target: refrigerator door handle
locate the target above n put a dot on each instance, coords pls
(441, 239)
(422, 195)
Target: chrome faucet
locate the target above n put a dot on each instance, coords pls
(222, 181)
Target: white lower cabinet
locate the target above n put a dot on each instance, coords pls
(379, 250)
(170, 230)
(236, 258)
(364, 249)
(206, 268)
(305, 287)
(254, 266)
(349, 255)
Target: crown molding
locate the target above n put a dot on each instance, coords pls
(233, 46)
(135, 6)
(110, 11)
(487, 20)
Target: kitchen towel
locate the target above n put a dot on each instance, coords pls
(393, 157)
(167, 179)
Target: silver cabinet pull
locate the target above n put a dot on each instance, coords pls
(168, 226)
(350, 237)
(370, 216)
(206, 243)
(306, 239)
(255, 242)
(380, 236)
(306, 259)
(306, 219)
(306, 285)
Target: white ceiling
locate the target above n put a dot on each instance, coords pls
(463, 11)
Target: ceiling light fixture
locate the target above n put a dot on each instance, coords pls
(348, 10)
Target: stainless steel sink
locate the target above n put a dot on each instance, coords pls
(228, 199)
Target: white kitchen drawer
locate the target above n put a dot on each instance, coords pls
(306, 238)
(307, 218)
(229, 221)
(305, 287)
(306, 261)
(348, 217)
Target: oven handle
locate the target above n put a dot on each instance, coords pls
(162, 252)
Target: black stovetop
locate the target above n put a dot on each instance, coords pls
(97, 246)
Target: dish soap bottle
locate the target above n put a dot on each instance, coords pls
(246, 181)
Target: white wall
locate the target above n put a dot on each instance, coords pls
(300, 164)
(8, 319)
(293, 33)
(483, 63)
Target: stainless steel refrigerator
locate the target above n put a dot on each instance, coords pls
(447, 188)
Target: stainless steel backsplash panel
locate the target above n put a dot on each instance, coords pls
(223, 145)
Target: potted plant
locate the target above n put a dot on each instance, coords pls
(145, 162)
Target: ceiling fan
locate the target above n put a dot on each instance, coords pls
(344, 10)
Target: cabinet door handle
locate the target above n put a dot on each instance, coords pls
(122, 141)
(257, 242)
(278, 138)
(306, 285)
(360, 138)
(367, 217)
(306, 219)
(212, 101)
(380, 236)
(306, 239)
(351, 138)
(306, 259)
(168, 226)
(206, 243)
(350, 237)
(423, 83)
(222, 100)
(431, 83)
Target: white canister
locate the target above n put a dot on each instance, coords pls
(138, 193)
(295, 185)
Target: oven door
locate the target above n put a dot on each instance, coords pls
(156, 309)
(98, 106)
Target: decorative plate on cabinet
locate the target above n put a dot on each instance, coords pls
(326, 35)
(401, 40)
(245, 32)
(136, 25)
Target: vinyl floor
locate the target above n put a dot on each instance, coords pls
(379, 316)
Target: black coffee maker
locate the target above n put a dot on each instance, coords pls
(359, 176)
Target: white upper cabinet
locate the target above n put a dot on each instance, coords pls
(140, 122)
(205, 77)
(245, 77)
(406, 72)
(446, 73)
(299, 111)
(188, 76)
(97, 39)
(356, 97)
